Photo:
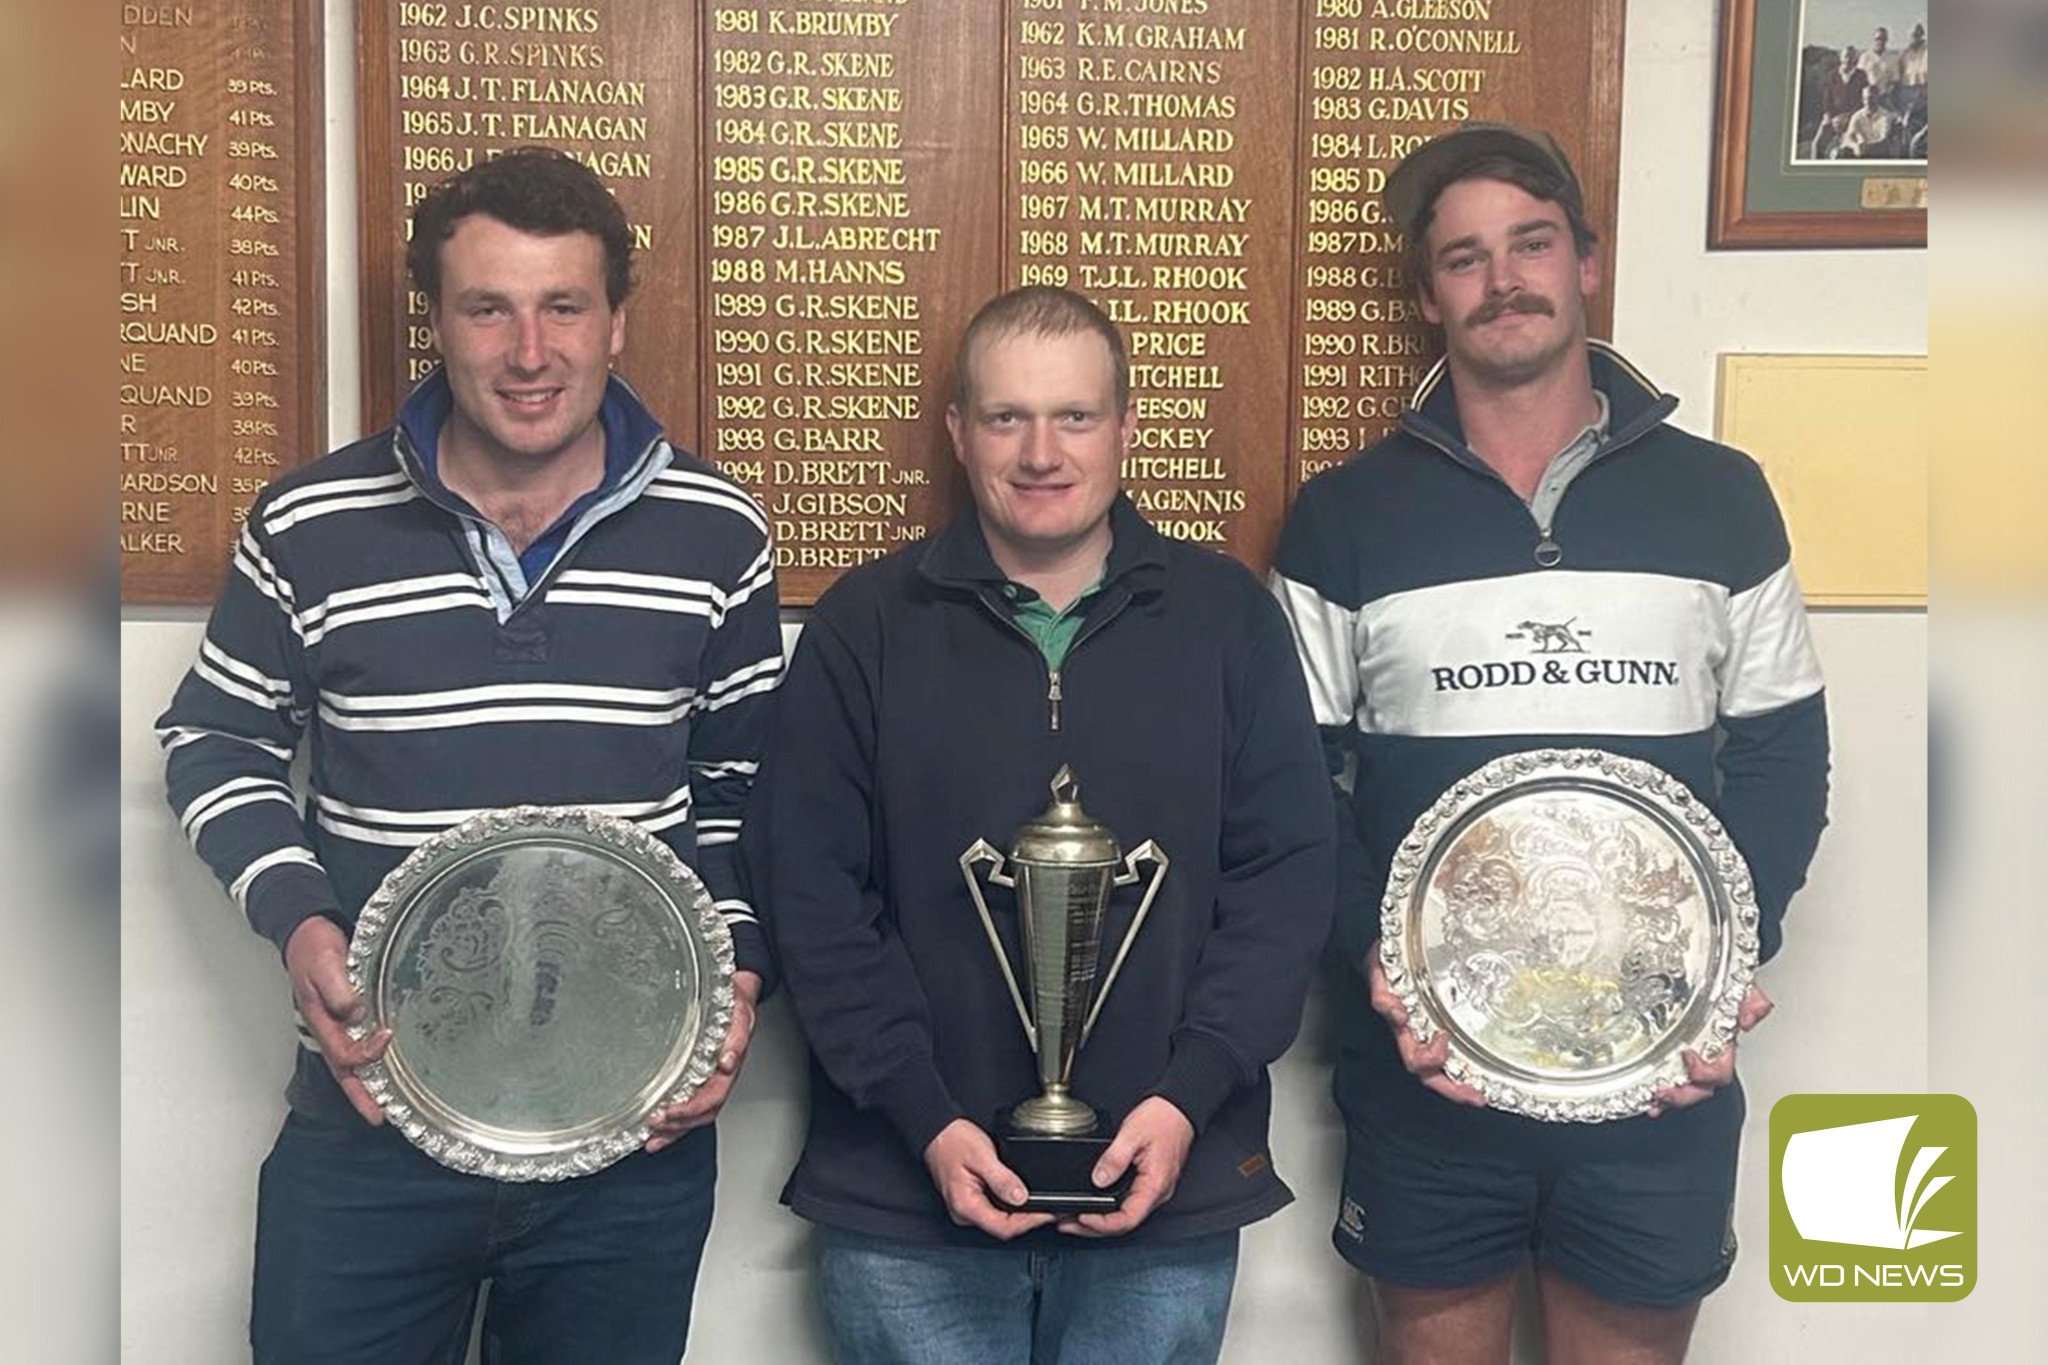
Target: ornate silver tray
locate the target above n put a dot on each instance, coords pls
(551, 975)
(1574, 921)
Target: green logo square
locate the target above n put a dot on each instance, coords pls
(1873, 1198)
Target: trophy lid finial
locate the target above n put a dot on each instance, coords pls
(1064, 833)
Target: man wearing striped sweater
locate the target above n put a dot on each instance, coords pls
(521, 592)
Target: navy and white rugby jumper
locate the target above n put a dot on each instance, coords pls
(375, 613)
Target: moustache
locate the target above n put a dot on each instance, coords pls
(1513, 303)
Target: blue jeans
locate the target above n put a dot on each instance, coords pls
(894, 1303)
(370, 1252)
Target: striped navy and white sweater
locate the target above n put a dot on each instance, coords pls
(375, 614)
(1670, 628)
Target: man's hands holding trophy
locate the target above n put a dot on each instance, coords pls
(981, 1192)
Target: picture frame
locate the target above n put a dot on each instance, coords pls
(1773, 189)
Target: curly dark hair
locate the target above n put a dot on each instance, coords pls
(534, 189)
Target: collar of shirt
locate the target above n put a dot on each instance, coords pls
(423, 424)
(1052, 631)
(1566, 464)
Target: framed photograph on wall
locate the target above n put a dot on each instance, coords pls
(1821, 134)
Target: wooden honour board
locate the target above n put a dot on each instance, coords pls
(823, 191)
(220, 223)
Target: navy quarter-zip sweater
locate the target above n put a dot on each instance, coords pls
(1668, 627)
(919, 717)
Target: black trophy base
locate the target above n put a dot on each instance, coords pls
(1057, 1170)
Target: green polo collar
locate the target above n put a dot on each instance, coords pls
(1052, 631)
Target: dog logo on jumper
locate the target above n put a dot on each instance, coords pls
(1551, 637)
(1557, 657)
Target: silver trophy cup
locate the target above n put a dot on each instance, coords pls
(1062, 867)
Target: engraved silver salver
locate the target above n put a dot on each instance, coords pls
(1574, 921)
(551, 975)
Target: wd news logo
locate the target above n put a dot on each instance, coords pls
(1873, 1198)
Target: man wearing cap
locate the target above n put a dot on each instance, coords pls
(1535, 498)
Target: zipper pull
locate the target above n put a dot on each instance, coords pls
(1549, 554)
(1052, 697)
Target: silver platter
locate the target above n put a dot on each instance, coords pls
(551, 975)
(1574, 921)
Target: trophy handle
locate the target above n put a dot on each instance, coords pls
(1145, 852)
(981, 851)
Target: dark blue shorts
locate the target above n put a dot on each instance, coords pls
(1644, 1231)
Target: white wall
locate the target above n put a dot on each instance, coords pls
(205, 1034)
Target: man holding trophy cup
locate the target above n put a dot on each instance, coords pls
(1045, 846)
